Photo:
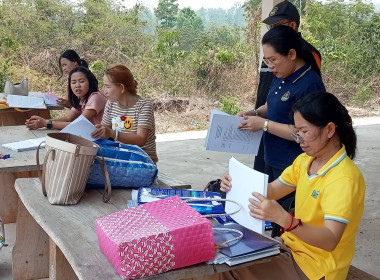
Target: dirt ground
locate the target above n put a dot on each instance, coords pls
(178, 115)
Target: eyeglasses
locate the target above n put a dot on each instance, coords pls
(270, 61)
(305, 138)
(270, 26)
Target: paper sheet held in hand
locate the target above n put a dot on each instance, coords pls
(223, 135)
(245, 180)
(81, 126)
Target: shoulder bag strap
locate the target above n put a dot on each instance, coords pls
(107, 181)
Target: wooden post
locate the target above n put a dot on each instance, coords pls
(9, 196)
(267, 6)
(59, 267)
(30, 255)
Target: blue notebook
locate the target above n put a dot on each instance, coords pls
(251, 243)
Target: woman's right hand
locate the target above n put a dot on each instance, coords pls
(102, 131)
(225, 185)
(64, 102)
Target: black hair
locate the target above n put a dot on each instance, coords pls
(72, 56)
(320, 108)
(92, 83)
(284, 38)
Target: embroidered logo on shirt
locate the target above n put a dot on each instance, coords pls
(315, 194)
(285, 97)
(120, 123)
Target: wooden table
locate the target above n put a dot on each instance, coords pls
(11, 116)
(60, 242)
(23, 165)
(19, 165)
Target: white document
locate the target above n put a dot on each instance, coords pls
(82, 127)
(25, 145)
(29, 102)
(223, 135)
(245, 180)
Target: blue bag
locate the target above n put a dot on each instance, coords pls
(128, 166)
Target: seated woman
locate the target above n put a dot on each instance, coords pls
(320, 238)
(85, 98)
(127, 118)
(68, 60)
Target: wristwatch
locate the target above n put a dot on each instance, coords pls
(265, 128)
(49, 124)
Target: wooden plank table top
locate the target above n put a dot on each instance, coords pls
(19, 161)
(72, 228)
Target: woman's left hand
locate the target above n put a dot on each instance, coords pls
(268, 210)
(35, 122)
(252, 123)
(102, 131)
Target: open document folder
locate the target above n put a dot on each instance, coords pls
(245, 180)
(223, 135)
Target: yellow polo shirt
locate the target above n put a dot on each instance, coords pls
(335, 192)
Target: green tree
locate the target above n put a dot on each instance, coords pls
(166, 13)
(189, 26)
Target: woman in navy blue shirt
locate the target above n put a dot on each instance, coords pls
(294, 78)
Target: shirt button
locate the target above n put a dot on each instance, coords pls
(275, 92)
(279, 87)
(283, 82)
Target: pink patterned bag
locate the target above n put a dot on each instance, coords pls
(155, 237)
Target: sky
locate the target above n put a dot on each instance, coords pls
(194, 4)
(197, 4)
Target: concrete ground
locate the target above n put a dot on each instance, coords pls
(183, 156)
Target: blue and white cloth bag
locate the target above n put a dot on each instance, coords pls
(128, 166)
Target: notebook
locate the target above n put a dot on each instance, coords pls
(251, 247)
(24, 145)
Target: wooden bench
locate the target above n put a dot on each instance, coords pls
(60, 242)
(355, 273)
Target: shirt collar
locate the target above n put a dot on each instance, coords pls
(338, 157)
(298, 73)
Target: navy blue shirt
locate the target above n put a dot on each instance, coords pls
(283, 93)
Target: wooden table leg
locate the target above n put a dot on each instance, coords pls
(30, 256)
(9, 196)
(59, 267)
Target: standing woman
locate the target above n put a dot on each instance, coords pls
(67, 62)
(128, 118)
(85, 98)
(294, 77)
(330, 189)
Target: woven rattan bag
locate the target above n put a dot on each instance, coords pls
(66, 167)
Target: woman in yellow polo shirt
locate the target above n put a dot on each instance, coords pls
(320, 239)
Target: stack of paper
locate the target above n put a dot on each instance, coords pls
(25, 145)
(251, 247)
(30, 102)
(245, 180)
